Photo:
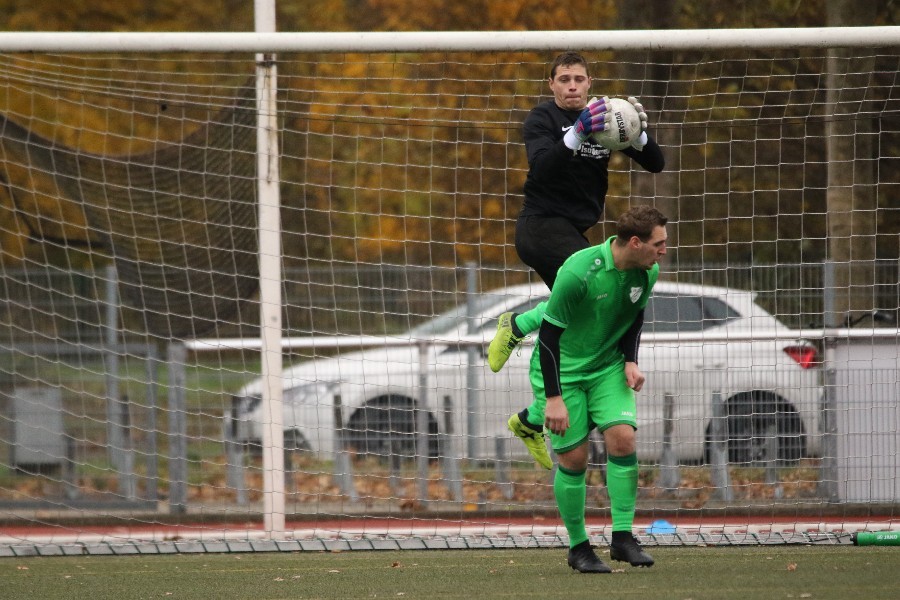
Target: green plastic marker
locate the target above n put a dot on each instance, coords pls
(876, 538)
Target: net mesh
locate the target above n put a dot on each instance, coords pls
(129, 230)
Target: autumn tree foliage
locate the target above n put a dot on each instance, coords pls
(417, 159)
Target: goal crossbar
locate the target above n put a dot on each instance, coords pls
(449, 41)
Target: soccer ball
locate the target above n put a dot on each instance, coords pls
(624, 126)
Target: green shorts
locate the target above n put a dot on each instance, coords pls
(600, 399)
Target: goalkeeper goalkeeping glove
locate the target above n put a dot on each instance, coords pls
(594, 118)
(641, 140)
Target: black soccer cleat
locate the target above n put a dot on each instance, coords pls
(583, 559)
(629, 550)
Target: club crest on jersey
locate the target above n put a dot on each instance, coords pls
(635, 294)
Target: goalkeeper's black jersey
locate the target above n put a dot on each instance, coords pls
(563, 184)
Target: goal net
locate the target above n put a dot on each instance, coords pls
(133, 414)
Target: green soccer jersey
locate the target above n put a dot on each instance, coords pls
(596, 304)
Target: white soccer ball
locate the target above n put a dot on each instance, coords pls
(624, 126)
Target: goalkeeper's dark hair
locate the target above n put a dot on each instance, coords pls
(567, 59)
(639, 221)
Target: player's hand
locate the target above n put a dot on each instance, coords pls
(593, 119)
(634, 378)
(556, 415)
(641, 141)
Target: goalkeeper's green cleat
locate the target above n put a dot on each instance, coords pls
(504, 342)
(533, 440)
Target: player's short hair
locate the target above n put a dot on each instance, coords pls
(639, 221)
(567, 59)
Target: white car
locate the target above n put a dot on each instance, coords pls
(699, 344)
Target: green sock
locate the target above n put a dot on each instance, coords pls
(621, 484)
(570, 490)
(530, 320)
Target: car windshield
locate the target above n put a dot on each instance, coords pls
(450, 320)
(687, 312)
(666, 312)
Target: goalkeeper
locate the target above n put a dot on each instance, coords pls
(584, 372)
(565, 192)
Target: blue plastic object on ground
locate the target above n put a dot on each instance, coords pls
(661, 526)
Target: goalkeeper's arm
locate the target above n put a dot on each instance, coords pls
(644, 150)
(650, 158)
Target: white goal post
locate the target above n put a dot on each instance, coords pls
(367, 186)
(451, 41)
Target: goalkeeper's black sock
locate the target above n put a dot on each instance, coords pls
(523, 416)
(515, 329)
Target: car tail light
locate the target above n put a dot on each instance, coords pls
(805, 356)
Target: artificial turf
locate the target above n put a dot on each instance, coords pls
(746, 572)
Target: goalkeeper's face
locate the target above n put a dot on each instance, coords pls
(570, 86)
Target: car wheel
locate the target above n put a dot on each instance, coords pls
(294, 440)
(386, 426)
(752, 419)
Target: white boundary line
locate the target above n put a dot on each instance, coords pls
(159, 535)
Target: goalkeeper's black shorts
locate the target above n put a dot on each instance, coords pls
(544, 243)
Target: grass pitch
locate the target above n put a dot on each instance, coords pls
(696, 573)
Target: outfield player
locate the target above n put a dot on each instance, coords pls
(584, 373)
(565, 192)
